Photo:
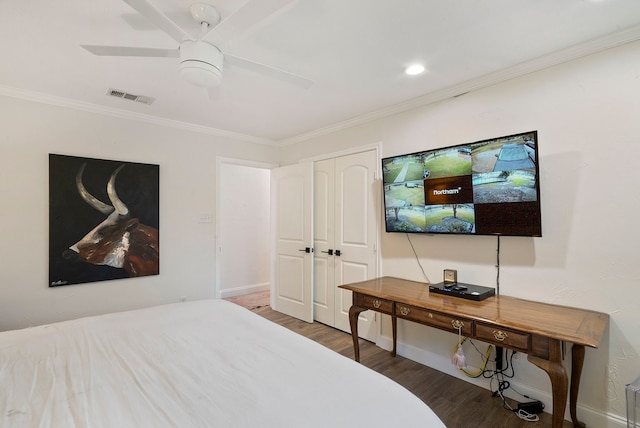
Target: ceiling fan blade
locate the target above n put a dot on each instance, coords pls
(247, 19)
(267, 70)
(131, 51)
(161, 20)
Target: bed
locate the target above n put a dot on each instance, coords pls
(206, 363)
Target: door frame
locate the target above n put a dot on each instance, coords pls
(218, 224)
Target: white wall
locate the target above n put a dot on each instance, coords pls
(243, 223)
(587, 114)
(29, 132)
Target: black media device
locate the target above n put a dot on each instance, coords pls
(488, 187)
(465, 291)
(532, 407)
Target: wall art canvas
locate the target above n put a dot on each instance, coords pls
(103, 220)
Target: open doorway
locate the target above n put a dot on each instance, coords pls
(242, 228)
(244, 253)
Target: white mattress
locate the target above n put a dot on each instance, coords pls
(196, 364)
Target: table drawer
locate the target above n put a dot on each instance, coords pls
(372, 302)
(503, 337)
(435, 319)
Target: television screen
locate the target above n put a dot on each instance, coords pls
(488, 187)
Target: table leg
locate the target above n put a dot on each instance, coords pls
(354, 312)
(394, 330)
(559, 381)
(577, 361)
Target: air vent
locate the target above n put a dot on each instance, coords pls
(131, 97)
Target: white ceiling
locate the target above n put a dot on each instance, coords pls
(353, 50)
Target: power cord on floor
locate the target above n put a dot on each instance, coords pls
(521, 413)
(501, 376)
(503, 385)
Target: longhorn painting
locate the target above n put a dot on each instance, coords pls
(103, 220)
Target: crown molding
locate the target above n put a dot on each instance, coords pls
(609, 41)
(123, 114)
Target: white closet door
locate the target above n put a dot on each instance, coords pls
(292, 231)
(345, 236)
(356, 234)
(323, 260)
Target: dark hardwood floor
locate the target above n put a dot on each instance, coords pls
(456, 402)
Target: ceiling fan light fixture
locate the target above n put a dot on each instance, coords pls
(201, 63)
(200, 74)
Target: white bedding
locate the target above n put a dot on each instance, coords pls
(207, 363)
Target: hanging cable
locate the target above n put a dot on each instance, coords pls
(498, 267)
(485, 358)
(418, 259)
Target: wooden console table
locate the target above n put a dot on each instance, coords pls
(535, 328)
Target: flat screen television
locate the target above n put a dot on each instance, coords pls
(488, 187)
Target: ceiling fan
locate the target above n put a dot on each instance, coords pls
(201, 61)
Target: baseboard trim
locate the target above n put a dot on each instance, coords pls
(245, 289)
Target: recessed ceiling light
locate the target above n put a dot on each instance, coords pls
(414, 69)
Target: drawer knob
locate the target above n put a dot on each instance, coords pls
(500, 335)
(457, 324)
(404, 310)
(377, 303)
